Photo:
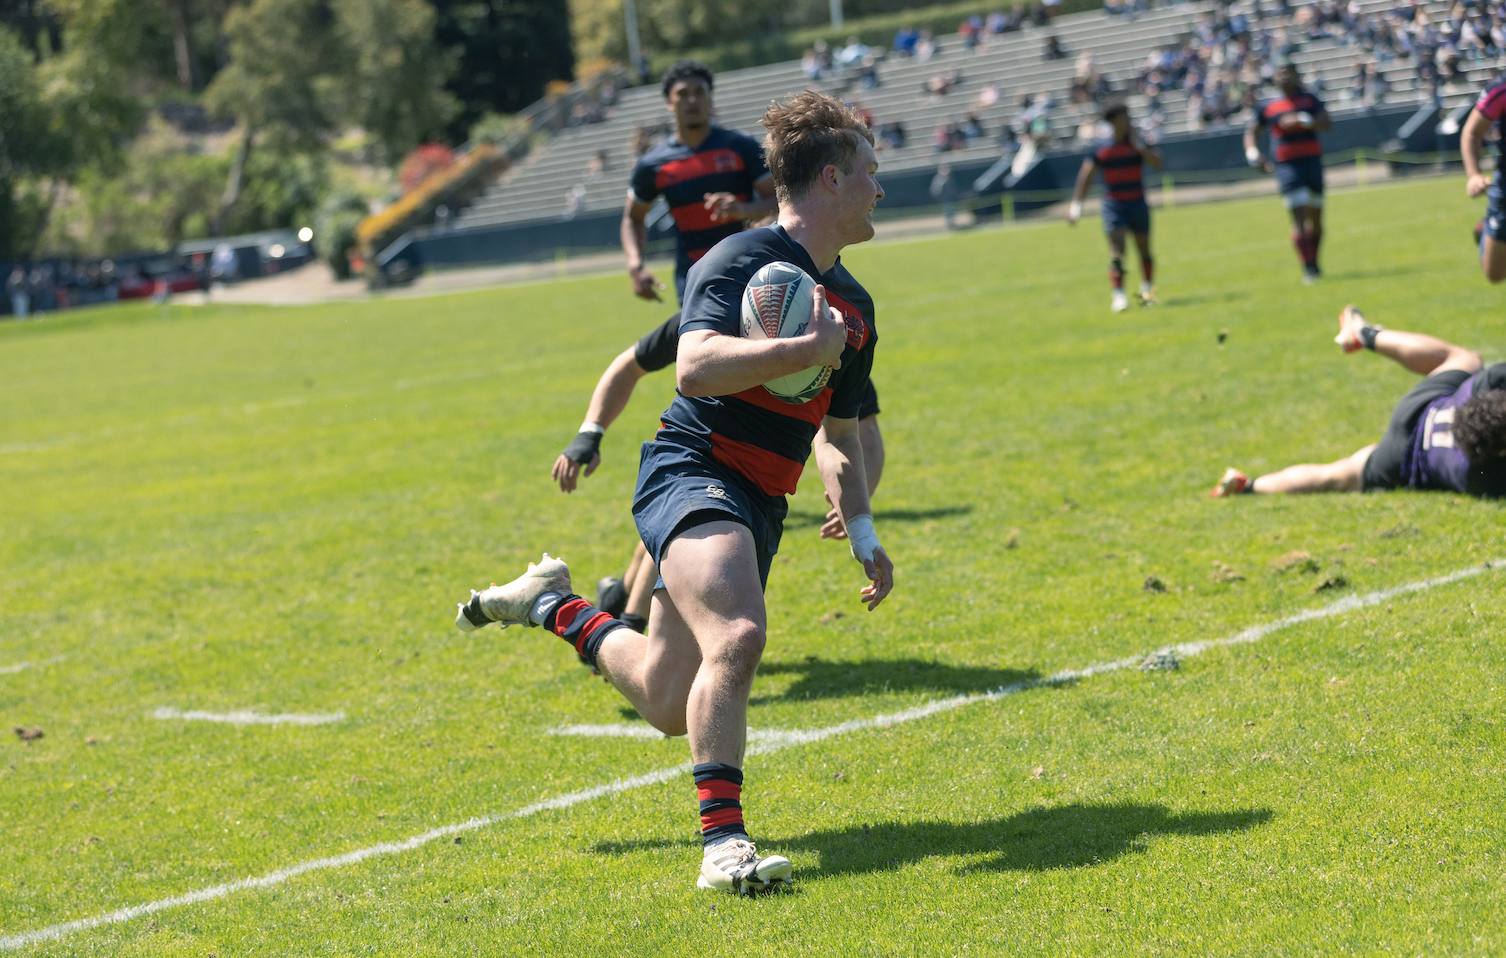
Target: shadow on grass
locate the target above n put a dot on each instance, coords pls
(1229, 296)
(1041, 839)
(820, 678)
(814, 520)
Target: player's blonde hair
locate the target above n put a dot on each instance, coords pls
(807, 133)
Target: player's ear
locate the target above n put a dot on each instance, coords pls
(829, 174)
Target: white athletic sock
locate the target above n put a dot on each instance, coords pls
(542, 607)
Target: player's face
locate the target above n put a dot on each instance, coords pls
(690, 102)
(1286, 78)
(858, 193)
(1121, 124)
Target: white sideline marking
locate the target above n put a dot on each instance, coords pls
(772, 741)
(23, 666)
(249, 718)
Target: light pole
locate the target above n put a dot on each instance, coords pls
(836, 14)
(635, 52)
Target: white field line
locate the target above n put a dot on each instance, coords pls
(775, 741)
(23, 666)
(249, 718)
(641, 730)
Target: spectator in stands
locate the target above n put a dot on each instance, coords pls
(926, 45)
(971, 127)
(868, 77)
(810, 64)
(852, 54)
(20, 293)
(944, 190)
(892, 135)
(1053, 49)
(575, 201)
(968, 31)
(595, 166)
(905, 40)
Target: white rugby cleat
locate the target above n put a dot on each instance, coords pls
(1351, 321)
(734, 865)
(510, 604)
(1120, 302)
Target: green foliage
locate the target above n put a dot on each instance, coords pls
(276, 508)
(335, 229)
(393, 85)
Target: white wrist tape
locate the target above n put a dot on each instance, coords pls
(862, 537)
(1075, 210)
(1252, 156)
(595, 427)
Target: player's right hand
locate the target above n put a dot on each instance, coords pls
(880, 573)
(645, 286)
(1477, 184)
(828, 332)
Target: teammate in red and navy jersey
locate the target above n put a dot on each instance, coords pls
(1122, 161)
(713, 179)
(710, 501)
(1295, 119)
(1489, 111)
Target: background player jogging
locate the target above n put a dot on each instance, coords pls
(1448, 432)
(710, 502)
(1489, 111)
(713, 179)
(1295, 119)
(1122, 161)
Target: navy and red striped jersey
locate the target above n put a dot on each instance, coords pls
(725, 162)
(755, 434)
(1492, 106)
(1121, 166)
(1292, 144)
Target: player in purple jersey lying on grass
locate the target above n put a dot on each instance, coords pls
(1448, 433)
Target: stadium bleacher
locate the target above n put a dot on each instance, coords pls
(537, 189)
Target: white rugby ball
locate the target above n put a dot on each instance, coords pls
(777, 305)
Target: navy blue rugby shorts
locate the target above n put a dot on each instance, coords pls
(679, 489)
(1132, 215)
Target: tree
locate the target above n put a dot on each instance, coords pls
(670, 25)
(505, 53)
(394, 82)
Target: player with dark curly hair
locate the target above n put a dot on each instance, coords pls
(1448, 433)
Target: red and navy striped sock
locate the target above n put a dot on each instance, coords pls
(1116, 273)
(1314, 240)
(720, 788)
(1148, 269)
(582, 625)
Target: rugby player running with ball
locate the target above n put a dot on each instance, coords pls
(710, 503)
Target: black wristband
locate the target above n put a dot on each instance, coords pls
(583, 447)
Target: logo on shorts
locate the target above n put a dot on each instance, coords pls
(1495, 223)
(716, 492)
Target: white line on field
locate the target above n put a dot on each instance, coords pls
(772, 741)
(249, 718)
(23, 666)
(641, 730)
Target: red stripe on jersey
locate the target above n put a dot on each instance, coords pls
(1492, 103)
(715, 788)
(1285, 152)
(695, 216)
(773, 474)
(725, 816)
(857, 330)
(695, 254)
(812, 412)
(1119, 175)
(698, 164)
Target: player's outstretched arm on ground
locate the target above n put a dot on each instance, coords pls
(1420, 353)
(634, 235)
(1080, 190)
(613, 390)
(726, 206)
(1470, 142)
(873, 468)
(839, 457)
(714, 364)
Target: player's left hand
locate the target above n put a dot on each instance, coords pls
(724, 206)
(566, 470)
(833, 528)
(880, 573)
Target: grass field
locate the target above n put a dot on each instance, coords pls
(228, 509)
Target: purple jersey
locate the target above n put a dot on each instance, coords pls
(1433, 461)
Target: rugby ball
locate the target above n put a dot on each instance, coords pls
(776, 305)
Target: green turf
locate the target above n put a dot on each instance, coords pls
(229, 508)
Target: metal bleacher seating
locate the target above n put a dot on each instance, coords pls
(536, 189)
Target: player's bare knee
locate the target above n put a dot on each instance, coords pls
(738, 650)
